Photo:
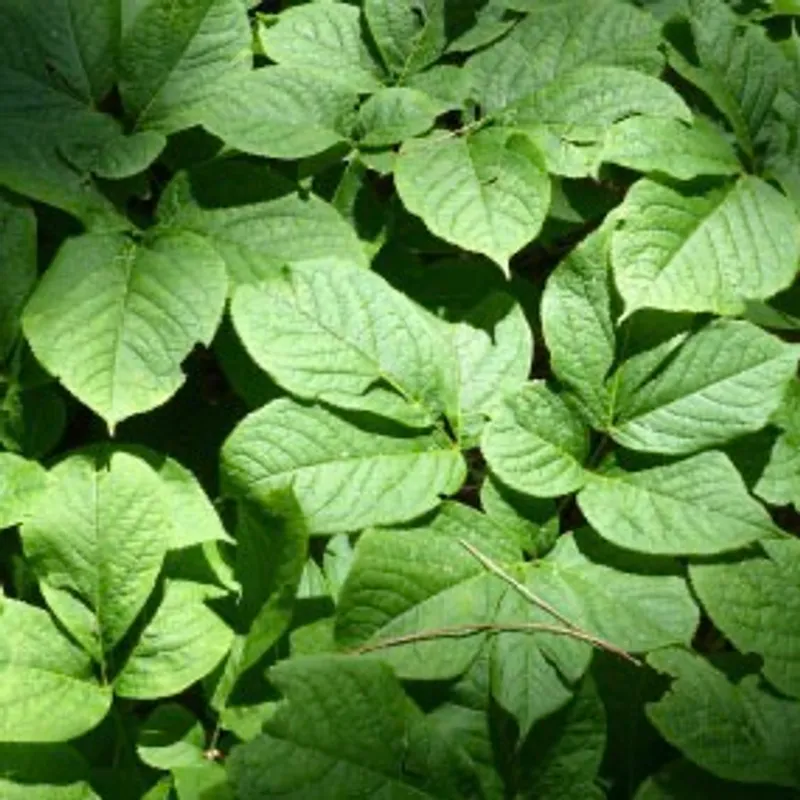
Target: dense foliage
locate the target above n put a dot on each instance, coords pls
(399, 399)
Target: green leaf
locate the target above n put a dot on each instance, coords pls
(698, 506)
(390, 749)
(170, 738)
(779, 483)
(18, 256)
(494, 349)
(557, 37)
(21, 482)
(486, 192)
(754, 602)
(174, 56)
(96, 540)
(256, 220)
(47, 690)
(732, 367)
(345, 476)
(182, 642)
(281, 112)
(44, 772)
(114, 319)
(536, 444)
(739, 732)
(409, 35)
(122, 157)
(326, 37)
(578, 325)
(336, 335)
(745, 232)
(669, 147)
(395, 114)
(208, 779)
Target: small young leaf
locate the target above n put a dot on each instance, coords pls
(171, 737)
(395, 114)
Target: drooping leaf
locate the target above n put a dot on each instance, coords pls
(487, 193)
(732, 367)
(326, 37)
(697, 506)
(257, 220)
(390, 749)
(175, 55)
(21, 482)
(47, 690)
(344, 476)
(754, 602)
(96, 540)
(740, 732)
(536, 444)
(114, 319)
(744, 232)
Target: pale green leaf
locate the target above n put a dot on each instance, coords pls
(755, 603)
(327, 37)
(486, 193)
(389, 750)
(698, 506)
(578, 326)
(171, 737)
(333, 335)
(395, 114)
(779, 483)
(723, 382)
(446, 84)
(18, 257)
(740, 732)
(207, 780)
(21, 482)
(96, 541)
(43, 772)
(175, 55)
(536, 444)
(669, 147)
(113, 319)
(47, 690)
(345, 477)
(182, 642)
(281, 112)
(745, 233)
(257, 220)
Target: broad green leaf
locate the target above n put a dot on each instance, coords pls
(119, 158)
(347, 730)
(744, 232)
(256, 220)
(175, 55)
(669, 147)
(737, 67)
(96, 540)
(578, 325)
(21, 482)
(486, 193)
(182, 642)
(562, 755)
(409, 35)
(697, 506)
(448, 85)
(334, 335)
(408, 580)
(739, 732)
(732, 367)
(754, 602)
(344, 476)
(395, 114)
(47, 690)
(43, 772)
(113, 319)
(209, 779)
(326, 37)
(18, 257)
(536, 444)
(494, 349)
(557, 37)
(281, 112)
(171, 737)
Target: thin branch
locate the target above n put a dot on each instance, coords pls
(460, 631)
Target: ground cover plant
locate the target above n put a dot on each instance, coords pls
(399, 399)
